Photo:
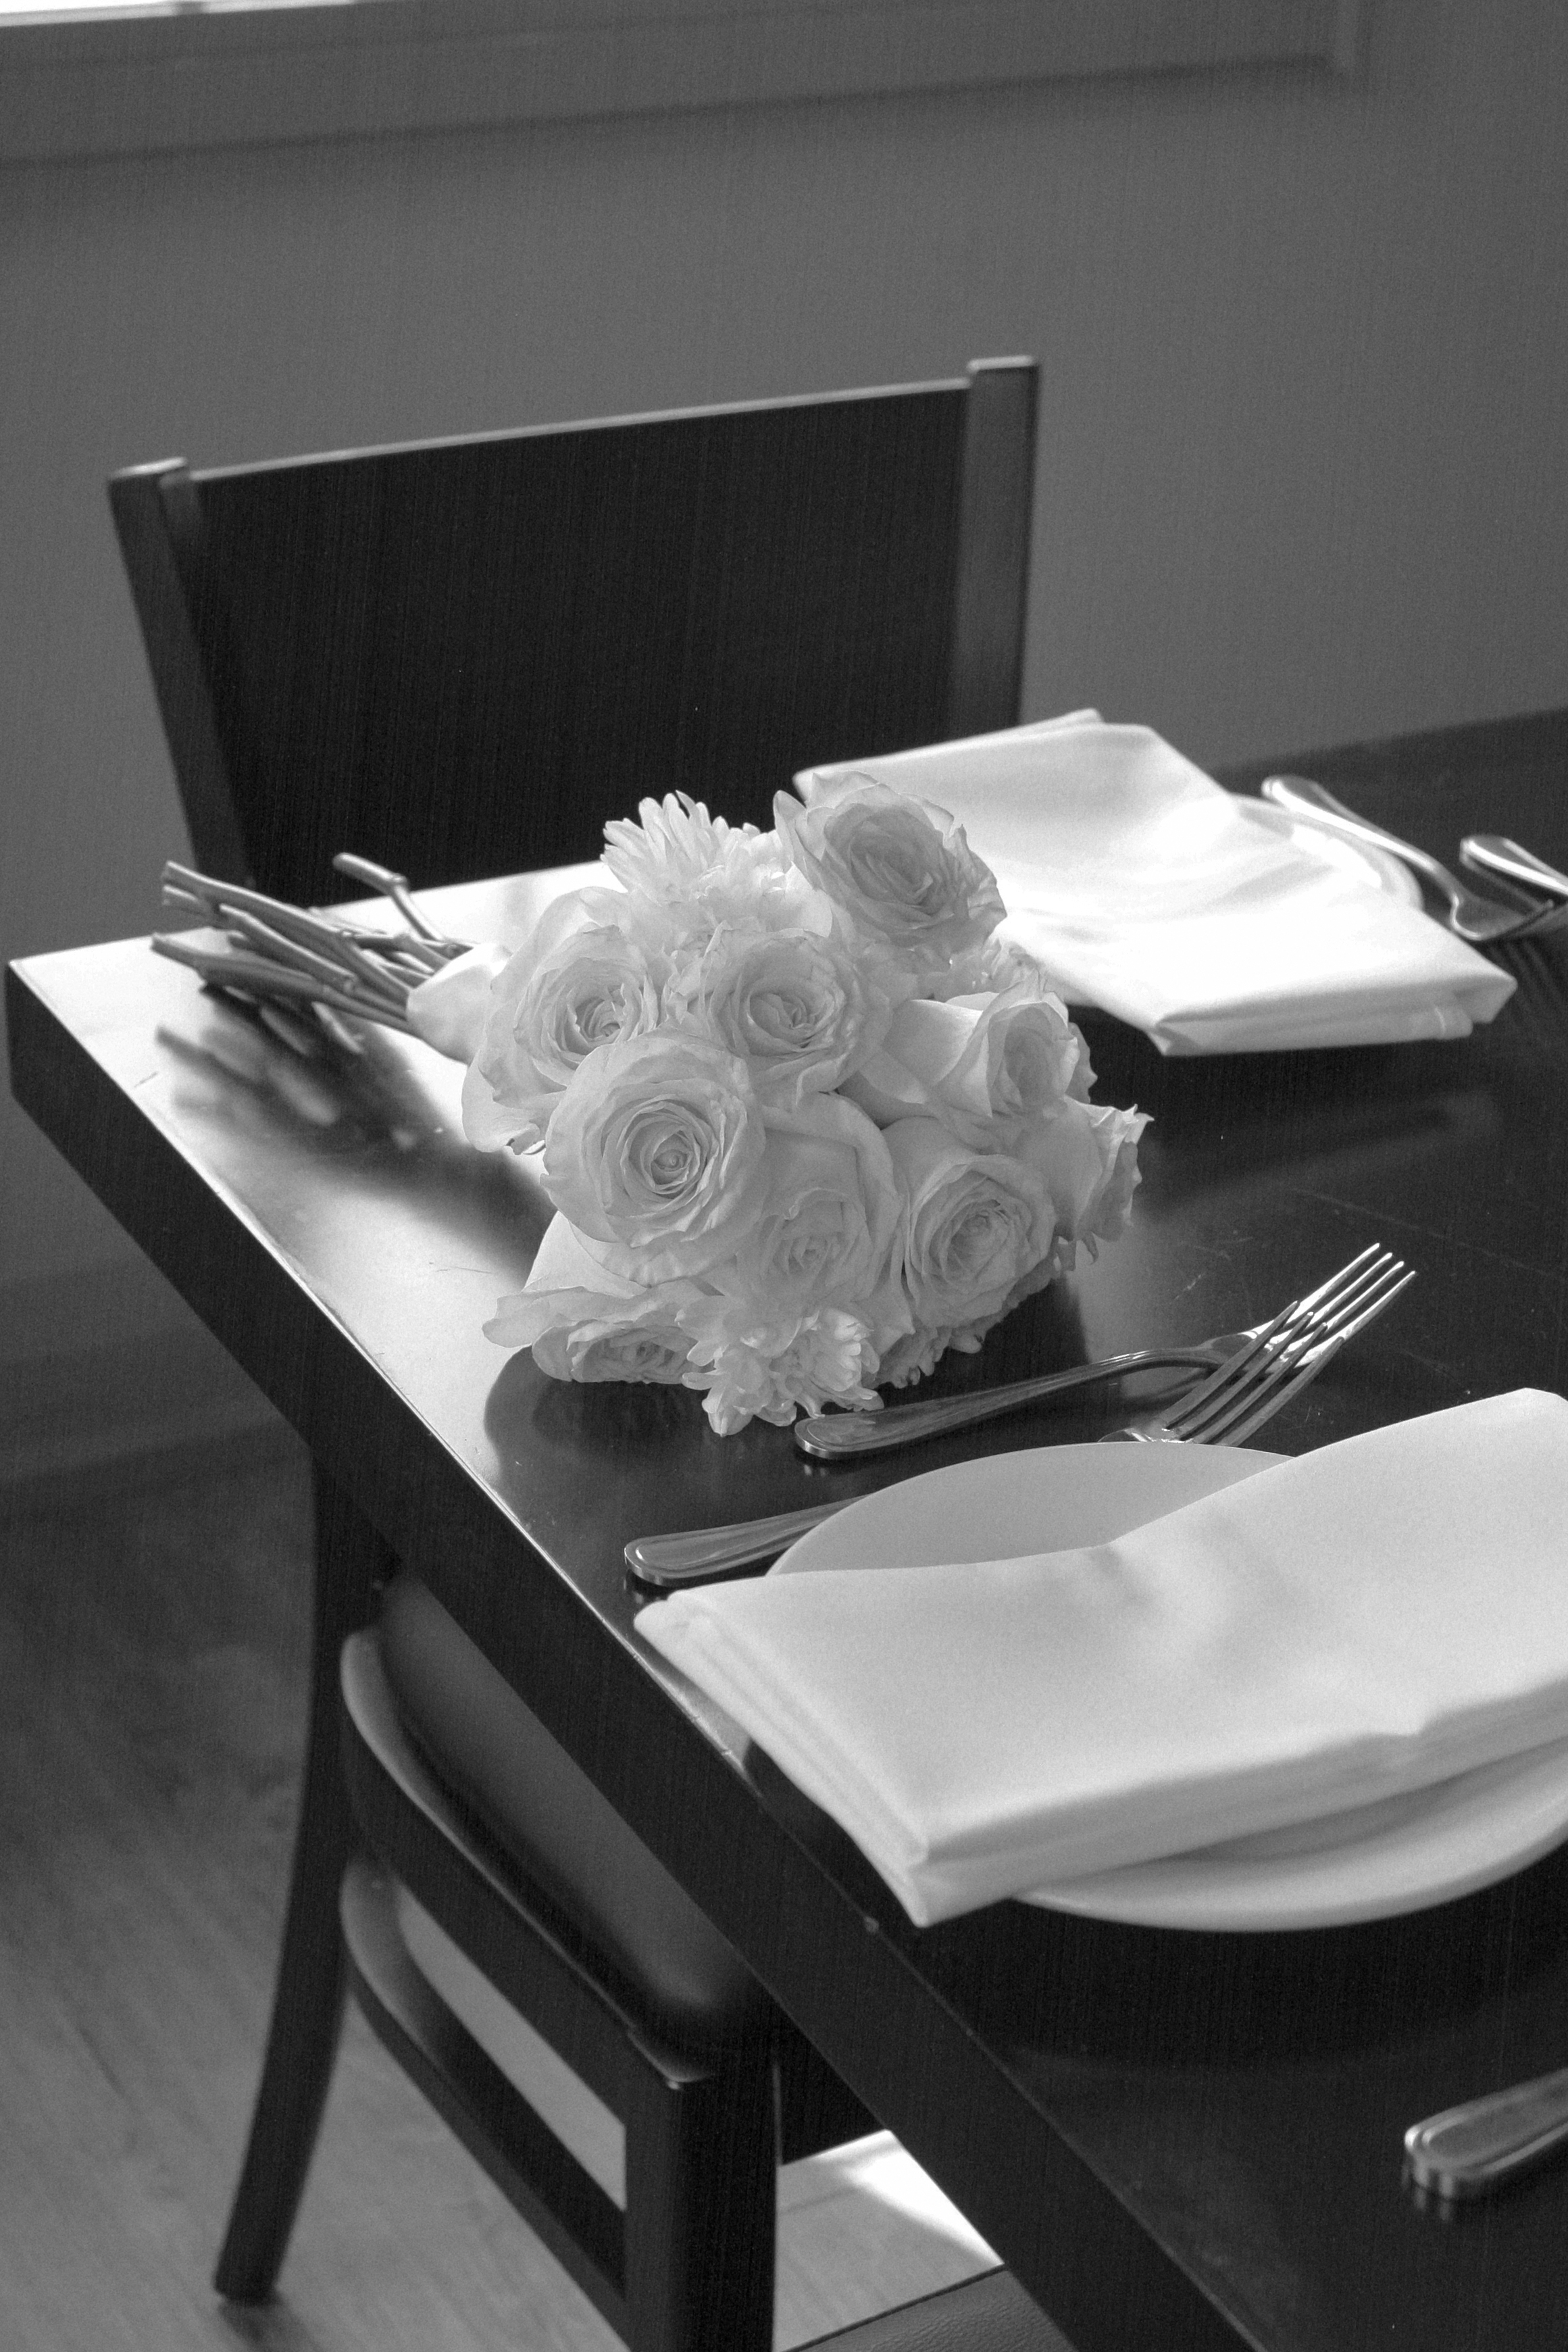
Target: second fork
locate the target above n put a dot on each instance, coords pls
(1235, 1401)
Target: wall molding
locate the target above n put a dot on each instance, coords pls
(171, 76)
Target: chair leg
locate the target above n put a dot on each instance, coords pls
(351, 1560)
(701, 2171)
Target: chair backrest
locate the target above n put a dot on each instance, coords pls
(464, 656)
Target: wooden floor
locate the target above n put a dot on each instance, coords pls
(153, 1650)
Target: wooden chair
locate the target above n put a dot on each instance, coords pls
(462, 657)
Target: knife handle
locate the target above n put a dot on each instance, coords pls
(1471, 2148)
(1494, 852)
(702, 1555)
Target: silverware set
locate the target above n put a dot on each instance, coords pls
(1261, 1369)
(1470, 915)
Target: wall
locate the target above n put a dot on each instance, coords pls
(1303, 459)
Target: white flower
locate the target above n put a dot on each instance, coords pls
(582, 980)
(896, 868)
(971, 1062)
(698, 871)
(584, 1335)
(584, 1323)
(986, 971)
(770, 1366)
(450, 1009)
(802, 1114)
(1087, 1156)
(913, 1356)
(674, 845)
(975, 1223)
(799, 1007)
(655, 1148)
(829, 1218)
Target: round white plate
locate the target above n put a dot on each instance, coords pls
(1377, 867)
(1403, 1855)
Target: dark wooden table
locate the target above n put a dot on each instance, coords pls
(1176, 2140)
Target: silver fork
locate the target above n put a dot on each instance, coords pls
(1470, 916)
(1278, 1362)
(845, 1437)
(1242, 1395)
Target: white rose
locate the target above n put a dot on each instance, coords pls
(584, 1323)
(986, 970)
(582, 980)
(975, 1223)
(970, 1062)
(585, 1335)
(656, 1151)
(829, 1215)
(1086, 1154)
(897, 869)
(450, 1009)
(799, 1007)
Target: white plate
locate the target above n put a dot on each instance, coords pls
(1378, 867)
(1403, 1855)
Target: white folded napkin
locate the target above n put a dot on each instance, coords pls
(1148, 890)
(1365, 1620)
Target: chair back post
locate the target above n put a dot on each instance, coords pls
(157, 518)
(995, 518)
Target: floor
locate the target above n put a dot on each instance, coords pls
(153, 1636)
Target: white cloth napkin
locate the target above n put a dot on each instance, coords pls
(1365, 1620)
(1149, 891)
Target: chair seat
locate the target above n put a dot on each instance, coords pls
(478, 1737)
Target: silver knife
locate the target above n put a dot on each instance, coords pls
(1494, 852)
(1475, 2146)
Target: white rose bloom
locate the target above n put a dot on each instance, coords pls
(656, 1151)
(830, 1216)
(1086, 1154)
(584, 1323)
(897, 869)
(971, 1062)
(975, 1223)
(585, 1335)
(450, 1009)
(986, 971)
(582, 980)
(800, 1008)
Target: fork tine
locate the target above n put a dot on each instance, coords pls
(1302, 1321)
(1215, 1414)
(1316, 1309)
(1367, 1297)
(1289, 1375)
(1311, 1298)
(1233, 1431)
(1297, 1317)
(1374, 1307)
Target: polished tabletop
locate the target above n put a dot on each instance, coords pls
(1174, 2139)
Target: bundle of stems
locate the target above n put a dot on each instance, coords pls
(301, 960)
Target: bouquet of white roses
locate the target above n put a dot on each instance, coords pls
(805, 1121)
